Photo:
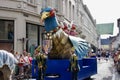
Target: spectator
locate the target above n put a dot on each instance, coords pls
(92, 54)
(99, 55)
(107, 55)
(21, 63)
(27, 62)
(31, 50)
(12, 51)
(17, 55)
(30, 58)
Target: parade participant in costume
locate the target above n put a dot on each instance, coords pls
(74, 66)
(73, 30)
(41, 62)
(65, 28)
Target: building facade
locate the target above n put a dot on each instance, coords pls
(115, 43)
(20, 27)
(87, 24)
(19, 24)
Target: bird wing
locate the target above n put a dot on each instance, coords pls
(81, 46)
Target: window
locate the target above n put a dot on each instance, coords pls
(6, 30)
(73, 12)
(44, 3)
(32, 35)
(6, 34)
(70, 10)
(66, 8)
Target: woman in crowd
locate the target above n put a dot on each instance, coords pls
(21, 63)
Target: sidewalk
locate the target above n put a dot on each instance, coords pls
(105, 70)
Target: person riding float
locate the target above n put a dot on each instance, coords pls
(74, 67)
(41, 63)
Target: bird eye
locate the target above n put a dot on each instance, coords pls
(47, 14)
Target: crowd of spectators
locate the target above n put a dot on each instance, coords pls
(24, 62)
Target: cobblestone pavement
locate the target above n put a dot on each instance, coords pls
(106, 71)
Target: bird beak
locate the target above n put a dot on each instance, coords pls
(44, 15)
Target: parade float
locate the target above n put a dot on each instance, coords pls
(59, 55)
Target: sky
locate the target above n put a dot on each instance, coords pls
(105, 11)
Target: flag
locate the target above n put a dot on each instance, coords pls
(106, 28)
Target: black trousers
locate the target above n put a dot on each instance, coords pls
(41, 74)
(74, 75)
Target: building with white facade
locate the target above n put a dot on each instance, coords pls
(87, 24)
(19, 24)
(20, 27)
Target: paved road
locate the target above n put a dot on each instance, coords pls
(116, 75)
(106, 71)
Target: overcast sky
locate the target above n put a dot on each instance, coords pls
(104, 11)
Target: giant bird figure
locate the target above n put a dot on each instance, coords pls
(62, 42)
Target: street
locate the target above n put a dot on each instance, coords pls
(106, 71)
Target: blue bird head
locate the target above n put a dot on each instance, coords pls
(49, 18)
